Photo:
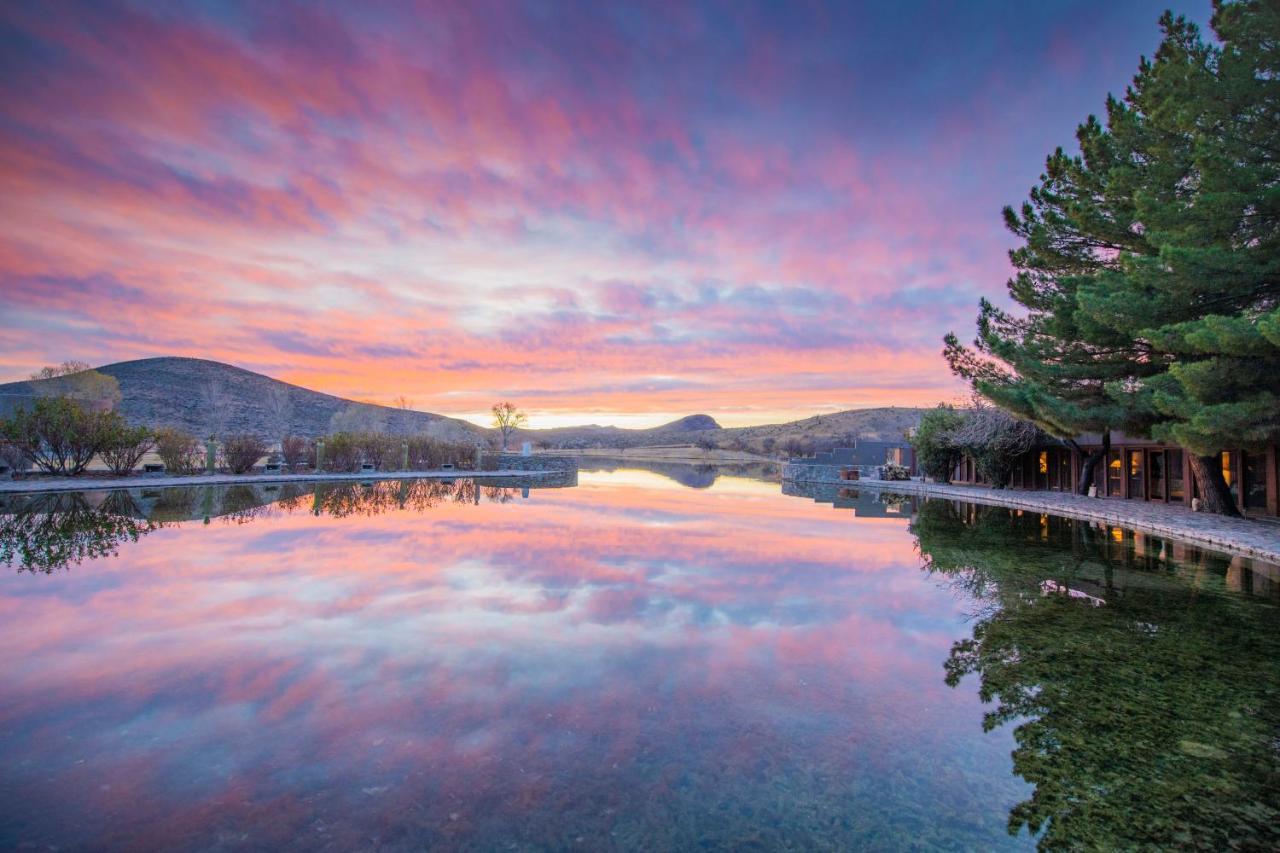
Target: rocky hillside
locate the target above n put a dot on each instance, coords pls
(889, 423)
(177, 391)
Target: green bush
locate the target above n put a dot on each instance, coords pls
(934, 441)
(125, 447)
(893, 471)
(59, 434)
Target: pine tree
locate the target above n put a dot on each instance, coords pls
(1148, 272)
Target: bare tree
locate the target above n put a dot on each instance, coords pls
(507, 419)
(358, 417)
(402, 402)
(279, 412)
(14, 457)
(76, 380)
(67, 368)
(217, 407)
(995, 440)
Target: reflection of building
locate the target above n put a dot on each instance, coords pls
(865, 503)
(863, 455)
(1140, 469)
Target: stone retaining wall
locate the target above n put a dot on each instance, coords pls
(564, 468)
(801, 473)
(804, 472)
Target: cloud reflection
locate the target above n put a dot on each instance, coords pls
(636, 666)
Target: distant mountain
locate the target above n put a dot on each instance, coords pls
(889, 423)
(681, 431)
(172, 391)
(691, 423)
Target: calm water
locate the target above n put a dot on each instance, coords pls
(647, 661)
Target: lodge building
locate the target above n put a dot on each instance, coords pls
(1141, 469)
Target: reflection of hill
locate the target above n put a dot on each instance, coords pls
(691, 474)
(49, 531)
(1146, 721)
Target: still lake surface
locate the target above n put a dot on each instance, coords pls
(662, 659)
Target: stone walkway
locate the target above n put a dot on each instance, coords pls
(1244, 536)
(89, 484)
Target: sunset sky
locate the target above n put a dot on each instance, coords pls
(611, 213)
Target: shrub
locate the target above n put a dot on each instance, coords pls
(14, 457)
(794, 446)
(893, 471)
(125, 447)
(241, 452)
(379, 449)
(935, 442)
(427, 454)
(296, 451)
(995, 440)
(179, 450)
(342, 452)
(59, 434)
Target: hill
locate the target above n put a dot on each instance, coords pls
(174, 392)
(883, 424)
(888, 423)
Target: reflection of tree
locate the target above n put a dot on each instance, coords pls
(1151, 720)
(241, 504)
(46, 532)
(344, 499)
(498, 495)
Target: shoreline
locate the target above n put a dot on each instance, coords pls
(71, 484)
(1247, 537)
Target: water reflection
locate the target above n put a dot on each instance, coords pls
(44, 532)
(631, 664)
(1145, 703)
(693, 475)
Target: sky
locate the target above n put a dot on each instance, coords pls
(605, 213)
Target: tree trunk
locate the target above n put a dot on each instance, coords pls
(1215, 497)
(1089, 468)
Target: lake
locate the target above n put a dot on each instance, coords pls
(655, 659)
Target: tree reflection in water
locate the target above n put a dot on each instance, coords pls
(1150, 720)
(45, 532)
